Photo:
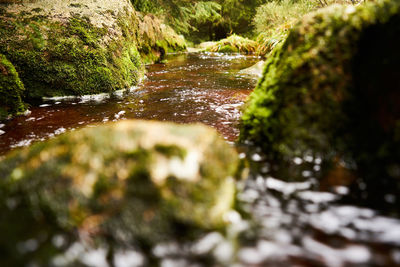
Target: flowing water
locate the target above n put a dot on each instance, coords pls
(189, 88)
(290, 223)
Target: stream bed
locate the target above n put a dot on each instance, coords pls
(289, 223)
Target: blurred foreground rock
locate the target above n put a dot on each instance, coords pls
(123, 185)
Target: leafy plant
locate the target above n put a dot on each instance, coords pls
(234, 43)
(276, 13)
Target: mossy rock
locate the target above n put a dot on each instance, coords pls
(86, 47)
(331, 90)
(63, 50)
(157, 39)
(11, 90)
(131, 183)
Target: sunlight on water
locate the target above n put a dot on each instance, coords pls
(189, 88)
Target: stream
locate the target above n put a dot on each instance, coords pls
(289, 223)
(189, 88)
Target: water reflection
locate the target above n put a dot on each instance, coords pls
(189, 88)
(310, 222)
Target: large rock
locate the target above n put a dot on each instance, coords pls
(11, 89)
(131, 183)
(332, 90)
(80, 47)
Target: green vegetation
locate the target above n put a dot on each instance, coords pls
(204, 20)
(268, 22)
(155, 39)
(330, 90)
(11, 89)
(131, 183)
(274, 14)
(274, 20)
(235, 44)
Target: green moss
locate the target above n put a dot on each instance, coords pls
(55, 59)
(11, 90)
(82, 28)
(75, 57)
(324, 89)
(228, 49)
(155, 39)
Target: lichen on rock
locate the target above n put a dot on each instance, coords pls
(131, 183)
(330, 91)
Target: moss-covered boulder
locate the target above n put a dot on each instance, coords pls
(11, 89)
(331, 90)
(80, 47)
(127, 184)
(157, 39)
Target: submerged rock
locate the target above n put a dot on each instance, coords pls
(255, 71)
(331, 91)
(81, 47)
(127, 184)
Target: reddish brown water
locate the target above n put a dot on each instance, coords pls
(189, 88)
